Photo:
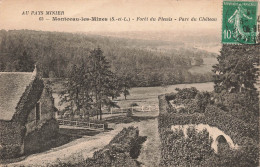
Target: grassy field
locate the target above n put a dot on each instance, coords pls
(145, 96)
(206, 67)
(149, 95)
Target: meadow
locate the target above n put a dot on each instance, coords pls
(208, 62)
(149, 95)
(145, 96)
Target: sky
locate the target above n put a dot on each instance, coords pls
(11, 15)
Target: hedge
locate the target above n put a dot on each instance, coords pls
(181, 151)
(243, 134)
(233, 127)
(122, 150)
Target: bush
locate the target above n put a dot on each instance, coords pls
(182, 110)
(192, 107)
(191, 98)
(122, 150)
(183, 96)
(202, 100)
(243, 105)
(133, 104)
(129, 113)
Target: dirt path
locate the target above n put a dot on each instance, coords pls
(150, 152)
(75, 151)
(78, 150)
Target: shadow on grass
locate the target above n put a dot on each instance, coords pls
(136, 150)
(78, 132)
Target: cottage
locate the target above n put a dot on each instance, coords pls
(27, 113)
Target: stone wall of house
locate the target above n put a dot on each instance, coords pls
(47, 105)
(40, 133)
(11, 140)
(47, 111)
(41, 136)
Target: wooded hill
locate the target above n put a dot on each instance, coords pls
(56, 53)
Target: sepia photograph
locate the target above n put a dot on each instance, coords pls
(129, 83)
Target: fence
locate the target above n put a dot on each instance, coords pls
(81, 124)
(122, 110)
(139, 108)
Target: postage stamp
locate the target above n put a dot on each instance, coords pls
(239, 22)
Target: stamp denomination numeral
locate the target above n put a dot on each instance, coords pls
(227, 34)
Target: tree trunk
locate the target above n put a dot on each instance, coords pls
(125, 93)
(96, 101)
(100, 112)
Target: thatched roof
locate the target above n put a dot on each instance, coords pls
(12, 87)
(28, 100)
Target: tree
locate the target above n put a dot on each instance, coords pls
(91, 84)
(198, 61)
(77, 93)
(115, 88)
(235, 78)
(235, 71)
(125, 81)
(25, 63)
(102, 79)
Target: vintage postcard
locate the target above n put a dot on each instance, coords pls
(129, 83)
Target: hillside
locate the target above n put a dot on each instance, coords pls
(147, 62)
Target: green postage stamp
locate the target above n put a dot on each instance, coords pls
(239, 23)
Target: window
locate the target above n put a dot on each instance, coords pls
(38, 111)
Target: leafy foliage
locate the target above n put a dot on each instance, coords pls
(190, 100)
(235, 79)
(90, 85)
(235, 71)
(56, 52)
(233, 108)
(183, 96)
(243, 133)
(122, 150)
(181, 151)
(243, 105)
